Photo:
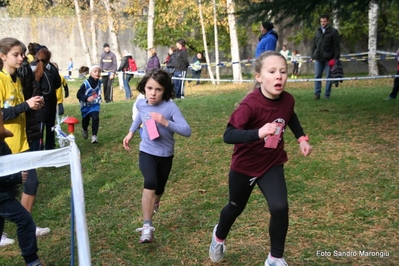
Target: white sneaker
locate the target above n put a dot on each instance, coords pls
(147, 235)
(270, 261)
(216, 249)
(94, 139)
(5, 241)
(42, 231)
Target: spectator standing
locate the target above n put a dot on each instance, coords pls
(14, 108)
(285, 52)
(108, 65)
(170, 60)
(61, 93)
(124, 66)
(296, 61)
(153, 61)
(326, 46)
(48, 80)
(181, 65)
(267, 39)
(196, 67)
(395, 89)
(70, 68)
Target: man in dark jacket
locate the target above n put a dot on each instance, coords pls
(326, 46)
(108, 65)
(181, 65)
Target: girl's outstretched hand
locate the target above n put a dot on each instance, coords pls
(305, 147)
(126, 141)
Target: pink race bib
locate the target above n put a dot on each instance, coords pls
(271, 141)
(152, 129)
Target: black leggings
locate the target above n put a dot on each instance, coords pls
(272, 184)
(155, 170)
(95, 121)
(295, 69)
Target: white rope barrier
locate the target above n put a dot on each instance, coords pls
(15, 163)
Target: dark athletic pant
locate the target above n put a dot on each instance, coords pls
(155, 171)
(95, 121)
(13, 211)
(108, 89)
(272, 184)
(395, 88)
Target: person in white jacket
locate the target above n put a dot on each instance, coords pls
(296, 60)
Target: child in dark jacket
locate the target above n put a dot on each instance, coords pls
(12, 210)
(89, 96)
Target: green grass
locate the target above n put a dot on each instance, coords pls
(343, 197)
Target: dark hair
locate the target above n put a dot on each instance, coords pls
(182, 42)
(267, 25)
(325, 16)
(31, 48)
(163, 78)
(42, 58)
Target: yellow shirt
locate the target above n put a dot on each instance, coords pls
(60, 91)
(30, 58)
(11, 94)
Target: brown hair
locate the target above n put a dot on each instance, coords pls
(43, 58)
(6, 44)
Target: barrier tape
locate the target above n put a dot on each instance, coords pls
(383, 55)
(294, 80)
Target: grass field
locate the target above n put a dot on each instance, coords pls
(344, 198)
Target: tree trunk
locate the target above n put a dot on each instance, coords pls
(150, 25)
(373, 22)
(335, 19)
(82, 34)
(235, 53)
(205, 45)
(94, 51)
(215, 29)
(112, 31)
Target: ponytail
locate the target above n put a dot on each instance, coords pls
(42, 58)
